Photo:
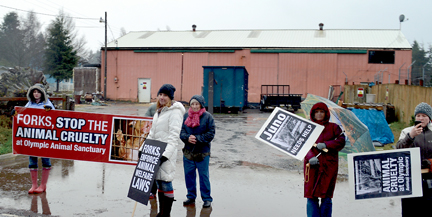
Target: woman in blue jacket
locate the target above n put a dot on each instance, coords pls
(197, 133)
(37, 98)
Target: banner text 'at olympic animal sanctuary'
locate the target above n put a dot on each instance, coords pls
(78, 135)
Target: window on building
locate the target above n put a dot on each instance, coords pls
(384, 57)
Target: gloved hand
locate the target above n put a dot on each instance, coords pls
(314, 161)
(13, 112)
(425, 164)
(321, 146)
(163, 159)
(139, 154)
(47, 107)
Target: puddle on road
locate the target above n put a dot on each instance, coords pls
(248, 179)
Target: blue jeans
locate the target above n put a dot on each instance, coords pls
(33, 162)
(164, 186)
(315, 210)
(190, 168)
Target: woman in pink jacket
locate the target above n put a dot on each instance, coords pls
(321, 171)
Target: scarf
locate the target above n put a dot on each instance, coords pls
(193, 120)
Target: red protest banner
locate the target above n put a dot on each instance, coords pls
(84, 136)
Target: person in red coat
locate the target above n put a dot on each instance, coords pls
(320, 167)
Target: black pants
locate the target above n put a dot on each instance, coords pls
(418, 206)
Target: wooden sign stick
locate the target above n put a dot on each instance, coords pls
(134, 209)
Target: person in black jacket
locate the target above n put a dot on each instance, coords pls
(197, 133)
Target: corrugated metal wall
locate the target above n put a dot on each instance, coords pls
(193, 74)
(304, 72)
(263, 70)
(293, 72)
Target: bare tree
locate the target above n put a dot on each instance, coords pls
(95, 57)
(79, 43)
(34, 41)
(122, 31)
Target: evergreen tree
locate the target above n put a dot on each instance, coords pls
(60, 56)
(11, 38)
(422, 59)
(21, 42)
(428, 70)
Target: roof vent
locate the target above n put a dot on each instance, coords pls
(193, 27)
(321, 26)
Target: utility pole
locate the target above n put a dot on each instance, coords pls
(105, 55)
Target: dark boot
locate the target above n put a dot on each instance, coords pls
(161, 198)
(165, 204)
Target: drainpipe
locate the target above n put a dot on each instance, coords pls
(181, 79)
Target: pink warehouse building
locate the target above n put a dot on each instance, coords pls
(307, 60)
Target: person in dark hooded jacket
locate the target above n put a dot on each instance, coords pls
(197, 133)
(320, 167)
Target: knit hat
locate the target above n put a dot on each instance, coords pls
(423, 108)
(167, 89)
(198, 98)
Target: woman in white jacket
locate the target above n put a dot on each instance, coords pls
(166, 127)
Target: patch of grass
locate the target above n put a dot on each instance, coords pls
(5, 122)
(6, 148)
(5, 140)
(5, 135)
(396, 128)
(300, 113)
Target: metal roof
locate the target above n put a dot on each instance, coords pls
(309, 39)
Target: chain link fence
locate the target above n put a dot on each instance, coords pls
(419, 74)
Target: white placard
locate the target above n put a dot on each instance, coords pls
(384, 174)
(289, 133)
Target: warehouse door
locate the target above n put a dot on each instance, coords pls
(144, 87)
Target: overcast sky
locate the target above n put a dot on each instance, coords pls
(179, 15)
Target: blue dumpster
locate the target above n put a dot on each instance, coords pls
(228, 88)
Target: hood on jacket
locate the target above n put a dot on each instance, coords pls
(321, 106)
(41, 89)
(198, 98)
(177, 105)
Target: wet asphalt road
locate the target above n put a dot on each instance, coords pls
(248, 178)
